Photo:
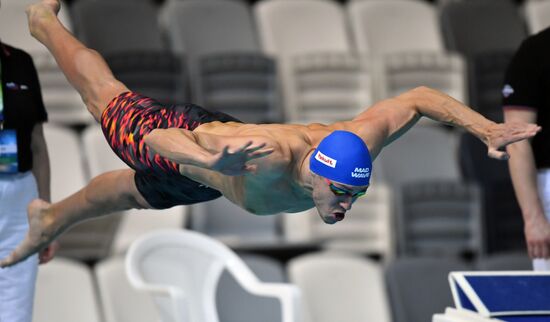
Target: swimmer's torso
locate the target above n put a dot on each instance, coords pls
(276, 186)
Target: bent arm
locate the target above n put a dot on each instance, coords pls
(182, 146)
(223, 153)
(395, 116)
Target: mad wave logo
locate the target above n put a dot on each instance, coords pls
(360, 173)
(325, 160)
(507, 91)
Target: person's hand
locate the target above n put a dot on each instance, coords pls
(537, 235)
(48, 253)
(234, 163)
(502, 134)
(39, 236)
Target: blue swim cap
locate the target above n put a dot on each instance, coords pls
(343, 157)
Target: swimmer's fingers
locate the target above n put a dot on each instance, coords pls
(253, 149)
(260, 153)
(525, 132)
(243, 148)
(503, 134)
(225, 150)
(254, 152)
(232, 163)
(500, 135)
(246, 148)
(257, 147)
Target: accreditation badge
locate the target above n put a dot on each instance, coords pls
(8, 151)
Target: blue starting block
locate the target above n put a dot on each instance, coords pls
(517, 296)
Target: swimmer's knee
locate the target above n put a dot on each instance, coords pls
(128, 190)
(135, 197)
(116, 187)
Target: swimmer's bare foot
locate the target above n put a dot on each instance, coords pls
(40, 14)
(41, 233)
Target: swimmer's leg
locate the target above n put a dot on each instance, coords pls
(84, 68)
(109, 192)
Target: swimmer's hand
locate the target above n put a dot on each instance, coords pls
(500, 135)
(234, 162)
(39, 236)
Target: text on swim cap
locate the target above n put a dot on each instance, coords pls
(325, 160)
(361, 173)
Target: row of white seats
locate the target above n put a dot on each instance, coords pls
(325, 73)
(334, 286)
(171, 274)
(333, 61)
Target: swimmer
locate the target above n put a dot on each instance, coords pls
(181, 155)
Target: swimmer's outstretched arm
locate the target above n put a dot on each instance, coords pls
(393, 117)
(226, 154)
